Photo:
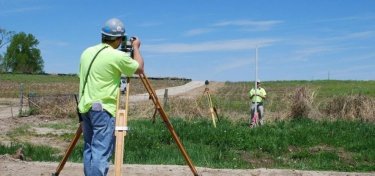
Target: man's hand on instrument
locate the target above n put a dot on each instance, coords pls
(136, 43)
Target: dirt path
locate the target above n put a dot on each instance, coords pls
(13, 167)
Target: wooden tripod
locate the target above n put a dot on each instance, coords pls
(164, 116)
(213, 110)
(122, 128)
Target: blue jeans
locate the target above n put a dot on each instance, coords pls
(98, 132)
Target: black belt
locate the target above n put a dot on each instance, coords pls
(258, 103)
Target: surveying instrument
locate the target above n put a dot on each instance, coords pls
(121, 127)
(213, 110)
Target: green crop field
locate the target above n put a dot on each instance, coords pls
(11, 84)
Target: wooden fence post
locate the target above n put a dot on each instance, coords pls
(21, 99)
(165, 98)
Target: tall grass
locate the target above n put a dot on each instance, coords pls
(314, 99)
(31, 152)
(296, 144)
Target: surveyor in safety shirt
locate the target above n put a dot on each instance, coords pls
(257, 97)
(100, 72)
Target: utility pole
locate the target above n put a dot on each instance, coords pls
(329, 75)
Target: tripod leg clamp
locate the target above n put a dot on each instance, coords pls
(122, 128)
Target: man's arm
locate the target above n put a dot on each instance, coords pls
(262, 94)
(251, 94)
(136, 43)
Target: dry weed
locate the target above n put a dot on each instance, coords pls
(300, 103)
(287, 104)
(352, 107)
(57, 106)
(187, 108)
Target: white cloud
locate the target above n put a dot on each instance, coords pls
(21, 10)
(224, 45)
(233, 64)
(358, 58)
(309, 52)
(357, 72)
(150, 24)
(350, 18)
(319, 46)
(251, 24)
(195, 32)
(354, 36)
(154, 40)
(54, 43)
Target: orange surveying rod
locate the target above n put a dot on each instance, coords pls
(164, 116)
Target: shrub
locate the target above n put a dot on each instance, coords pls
(300, 102)
(352, 107)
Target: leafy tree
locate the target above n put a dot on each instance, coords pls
(5, 37)
(22, 56)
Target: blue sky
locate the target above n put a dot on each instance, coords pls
(211, 39)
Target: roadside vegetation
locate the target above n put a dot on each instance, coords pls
(311, 125)
(294, 144)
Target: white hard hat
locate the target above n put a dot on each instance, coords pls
(113, 28)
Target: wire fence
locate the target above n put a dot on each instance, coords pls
(236, 106)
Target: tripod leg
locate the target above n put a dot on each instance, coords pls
(214, 109)
(164, 116)
(217, 116)
(69, 150)
(72, 143)
(121, 130)
(154, 116)
(211, 108)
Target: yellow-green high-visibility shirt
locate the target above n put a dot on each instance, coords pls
(104, 77)
(260, 91)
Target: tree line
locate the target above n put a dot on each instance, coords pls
(21, 54)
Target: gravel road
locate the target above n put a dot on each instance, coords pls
(172, 91)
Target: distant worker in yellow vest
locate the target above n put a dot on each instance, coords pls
(257, 97)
